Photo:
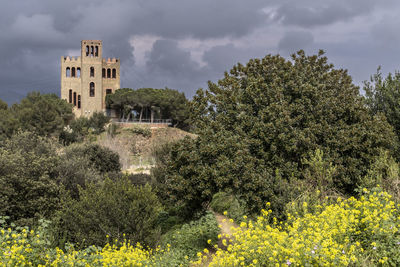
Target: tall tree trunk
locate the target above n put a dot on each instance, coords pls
(141, 114)
(151, 114)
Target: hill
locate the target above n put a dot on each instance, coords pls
(136, 143)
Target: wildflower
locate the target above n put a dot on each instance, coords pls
(288, 262)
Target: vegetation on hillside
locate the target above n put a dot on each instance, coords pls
(295, 135)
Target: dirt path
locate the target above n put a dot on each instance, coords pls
(226, 233)
(226, 224)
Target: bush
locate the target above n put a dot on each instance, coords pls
(192, 237)
(102, 158)
(28, 178)
(353, 232)
(257, 124)
(223, 201)
(108, 211)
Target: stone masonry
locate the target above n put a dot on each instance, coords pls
(86, 80)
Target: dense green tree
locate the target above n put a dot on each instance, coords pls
(257, 124)
(101, 158)
(44, 114)
(117, 209)
(8, 124)
(382, 95)
(28, 178)
(150, 103)
(3, 105)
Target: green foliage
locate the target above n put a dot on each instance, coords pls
(382, 95)
(8, 124)
(192, 237)
(384, 172)
(144, 131)
(102, 158)
(97, 122)
(156, 103)
(28, 178)
(81, 128)
(44, 114)
(112, 129)
(76, 170)
(111, 208)
(257, 125)
(3, 105)
(223, 201)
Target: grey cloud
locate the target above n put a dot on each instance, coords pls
(295, 40)
(309, 13)
(34, 34)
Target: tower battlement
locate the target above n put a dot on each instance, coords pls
(71, 59)
(110, 60)
(87, 79)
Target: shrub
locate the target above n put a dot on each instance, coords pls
(117, 209)
(193, 237)
(223, 201)
(102, 158)
(257, 124)
(28, 178)
(361, 232)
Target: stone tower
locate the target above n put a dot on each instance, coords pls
(86, 80)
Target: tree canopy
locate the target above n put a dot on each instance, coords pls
(257, 125)
(382, 95)
(149, 104)
(44, 114)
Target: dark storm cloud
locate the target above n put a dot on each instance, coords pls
(295, 40)
(310, 13)
(34, 34)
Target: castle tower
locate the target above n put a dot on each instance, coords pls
(86, 80)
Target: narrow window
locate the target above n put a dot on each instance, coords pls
(70, 96)
(87, 50)
(78, 72)
(91, 91)
(92, 51)
(73, 72)
(103, 73)
(74, 98)
(108, 73)
(97, 51)
(91, 71)
(114, 72)
(79, 101)
(68, 72)
(108, 91)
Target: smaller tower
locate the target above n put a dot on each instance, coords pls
(86, 80)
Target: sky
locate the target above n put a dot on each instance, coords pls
(182, 44)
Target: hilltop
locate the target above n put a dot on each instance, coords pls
(136, 143)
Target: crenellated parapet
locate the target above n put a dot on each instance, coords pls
(70, 59)
(110, 60)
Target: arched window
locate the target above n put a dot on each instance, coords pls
(87, 50)
(79, 101)
(91, 71)
(103, 73)
(70, 96)
(96, 53)
(68, 72)
(108, 73)
(91, 91)
(73, 72)
(78, 72)
(114, 72)
(74, 98)
(108, 91)
(92, 51)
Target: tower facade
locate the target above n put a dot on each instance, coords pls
(86, 80)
